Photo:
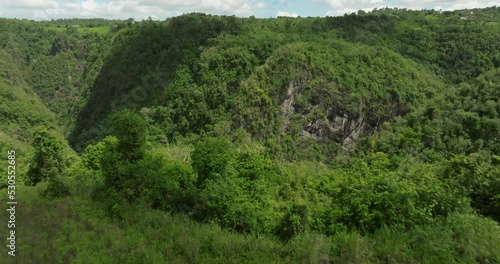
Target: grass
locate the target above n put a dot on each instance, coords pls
(77, 230)
(176, 152)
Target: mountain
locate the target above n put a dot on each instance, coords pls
(371, 137)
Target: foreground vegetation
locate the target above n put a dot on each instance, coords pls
(74, 229)
(368, 138)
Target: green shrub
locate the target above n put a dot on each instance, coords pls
(56, 187)
(478, 177)
(366, 198)
(168, 185)
(110, 163)
(48, 158)
(47, 163)
(252, 163)
(92, 154)
(294, 222)
(211, 157)
(131, 130)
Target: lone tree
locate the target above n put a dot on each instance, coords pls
(48, 159)
(47, 163)
(121, 154)
(131, 130)
(210, 158)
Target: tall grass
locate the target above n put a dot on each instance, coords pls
(77, 230)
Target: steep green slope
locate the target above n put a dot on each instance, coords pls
(57, 64)
(330, 91)
(143, 59)
(21, 109)
(458, 45)
(462, 120)
(234, 76)
(20, 112)
(83, 76)
(60, 76)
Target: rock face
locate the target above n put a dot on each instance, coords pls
(288, 107)
(59, 44)
(337, 124)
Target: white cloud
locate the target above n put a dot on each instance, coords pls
(138, 9)
(353, 4)
(340, 7)
(470, 4)
(280, 2)
(29, 4)
(141, 9)
(342, 11)
(286, 14)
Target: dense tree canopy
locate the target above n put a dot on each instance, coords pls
(371, 137)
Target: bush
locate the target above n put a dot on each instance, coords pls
(168, 185)
(210, 158)
(131, 130)
(137, 176)
(56, 188)
(366, 198)
(48, 158)
(110, 163)
(92, 154)
(477, 176)
(252, 163)
(294, 222)
(48, 163)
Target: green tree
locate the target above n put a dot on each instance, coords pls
(48, 163)
(210, 158)
(131, 131)
(478, 176)
(110, 163)
(48, 158)
(122, 155)
(91, 157)
(165, 184)
(294, 222)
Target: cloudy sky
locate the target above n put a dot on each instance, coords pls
(160, 9)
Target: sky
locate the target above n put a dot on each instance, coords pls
(161, 9)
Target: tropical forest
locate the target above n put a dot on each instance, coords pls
(372, 137)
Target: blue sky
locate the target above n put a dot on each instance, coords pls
(161, 9)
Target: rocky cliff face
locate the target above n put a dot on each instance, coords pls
(337, 124)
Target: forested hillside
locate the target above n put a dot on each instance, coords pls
(371, 137)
